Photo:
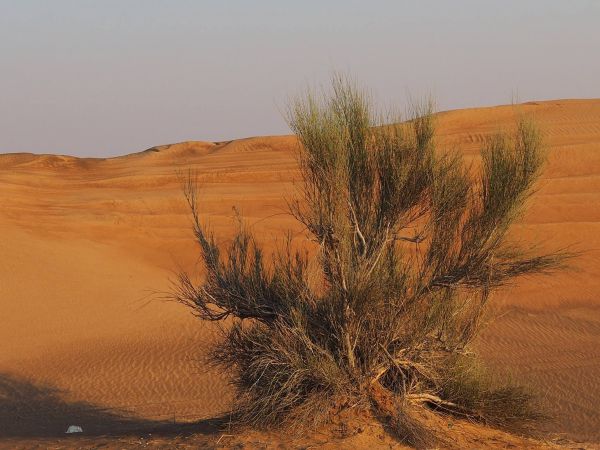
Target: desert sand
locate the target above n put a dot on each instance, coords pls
(89, 247)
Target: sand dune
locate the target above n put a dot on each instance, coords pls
(88, 246)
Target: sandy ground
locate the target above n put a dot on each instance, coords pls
(88, 247)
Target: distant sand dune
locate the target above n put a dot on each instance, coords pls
(88, 245)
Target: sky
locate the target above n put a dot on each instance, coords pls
(110, 77)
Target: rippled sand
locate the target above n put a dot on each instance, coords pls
(88, 247)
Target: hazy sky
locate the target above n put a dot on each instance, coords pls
(109, 77)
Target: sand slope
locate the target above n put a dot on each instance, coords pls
(88, 246)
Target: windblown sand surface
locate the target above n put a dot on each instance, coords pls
(88, 247)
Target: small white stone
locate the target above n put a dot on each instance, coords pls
(74, 429)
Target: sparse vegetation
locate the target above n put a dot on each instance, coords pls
(409, 243)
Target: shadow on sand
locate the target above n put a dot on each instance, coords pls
(36, 411)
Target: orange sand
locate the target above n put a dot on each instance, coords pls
(88, 247)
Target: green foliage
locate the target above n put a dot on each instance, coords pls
(487, 397)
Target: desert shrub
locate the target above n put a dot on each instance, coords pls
(409, 243)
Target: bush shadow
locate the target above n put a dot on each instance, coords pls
(29, 410)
